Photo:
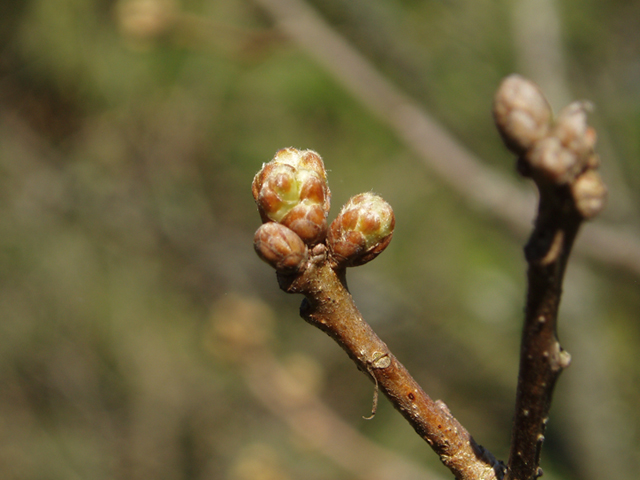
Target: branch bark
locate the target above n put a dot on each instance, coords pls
(542, 359)
(329, 306)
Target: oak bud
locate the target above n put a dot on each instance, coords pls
(589, 194)
(362, 230)
(572, 129)
(292, 190)
(521, 112)
(553, 161)
(280, 247)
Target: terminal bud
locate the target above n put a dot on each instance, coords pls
(521, 112)
(292, 190)
(572, 130)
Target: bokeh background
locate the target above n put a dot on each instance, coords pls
(140, 336)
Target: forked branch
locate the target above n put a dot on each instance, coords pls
(311, 258)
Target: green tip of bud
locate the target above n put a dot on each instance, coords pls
(362, 230)
(292, 189)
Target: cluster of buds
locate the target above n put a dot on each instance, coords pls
(557, 152)
(293, 199)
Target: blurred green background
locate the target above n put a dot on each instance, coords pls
(135, 317)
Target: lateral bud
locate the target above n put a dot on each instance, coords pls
(521, 112)
(572, 130)
(550, 159)
(589, 194)
(292, 190)
(362, 230)
(280, 247)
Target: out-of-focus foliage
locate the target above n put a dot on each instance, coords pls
(130, 132)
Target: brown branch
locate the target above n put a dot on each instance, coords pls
(241, 330)
(542, 359)
(330, 307)
(558, 154)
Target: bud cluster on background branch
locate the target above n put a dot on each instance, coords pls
(552, 152)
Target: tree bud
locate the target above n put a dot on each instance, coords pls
(572, 130)
(280, 247)
(589, 194)
(292, 189)
(362, 230)
(521, 112)
(550, 159)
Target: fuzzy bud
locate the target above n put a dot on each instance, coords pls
(589, 194)
(280, 247)
(521, 112)
(551, 160)
(362, 230)
(292, 190)
(572, 130)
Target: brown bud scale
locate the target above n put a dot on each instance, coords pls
(292, 189)
(280, 247)
(362, 230)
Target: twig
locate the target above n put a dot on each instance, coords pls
(241, 331)
(330, 307)
(310, 257)
(542, 359)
